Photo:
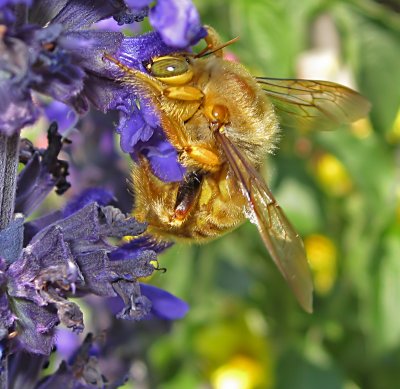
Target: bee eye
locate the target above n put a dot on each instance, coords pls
(169, 67)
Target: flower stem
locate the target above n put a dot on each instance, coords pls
(4, 371)
(9, 155)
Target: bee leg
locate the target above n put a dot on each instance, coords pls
(190, 155)
(185, 93)
(195, 155)
(201, 154)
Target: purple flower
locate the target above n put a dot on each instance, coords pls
(43, 172)
(65, 117)
(177, 21)
(56, 55)
(141, 134)
(68, 257)
(49, 54)
(65, 253)
(82, 371)
(163, 304)
(140, 125)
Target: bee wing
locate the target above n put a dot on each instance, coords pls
(283, 243)
(314, 105)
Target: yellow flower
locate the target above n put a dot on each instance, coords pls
(362, 128)
(321, 253)
(241, 372)
(236, 355)
(332, 175)
(394, 134)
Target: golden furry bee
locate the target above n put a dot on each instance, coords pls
(223, 121)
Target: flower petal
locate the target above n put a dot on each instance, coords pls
(99, 195)
(177, 21)
(16, 105)
(164, 304)
(78, 14)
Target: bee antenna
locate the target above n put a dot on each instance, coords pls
(108, 57)
(143, 78)
(205, 52)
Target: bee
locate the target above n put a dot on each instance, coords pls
(223, 121)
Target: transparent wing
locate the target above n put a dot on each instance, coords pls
(283, 243)
(314, 105)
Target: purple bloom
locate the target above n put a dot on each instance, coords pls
(177, 21)
(65, 253)
(139, 126)
(68, 257)
(163, 304)
(42, 173)
(47, 55)
(65, 62)
(61, 113)
(141, 133)
(81, 372)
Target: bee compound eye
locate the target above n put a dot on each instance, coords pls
(169, 67)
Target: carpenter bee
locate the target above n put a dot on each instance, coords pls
(223, 121)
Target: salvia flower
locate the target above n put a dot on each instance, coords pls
(177, 26)
(177, 21)
(45, 53)
(69, 257)
(82, 371)
(140, 124)
(55, 54)
(68, 253)
(51, 57)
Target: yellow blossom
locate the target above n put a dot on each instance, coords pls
(322, 256)
(394, 134)
(241, 372)
(362, 128)
(332, 175)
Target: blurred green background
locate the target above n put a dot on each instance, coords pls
(340, 189)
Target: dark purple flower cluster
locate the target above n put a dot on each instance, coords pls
(51, 63)
(67, 253)
(67, 258)
(56, 54)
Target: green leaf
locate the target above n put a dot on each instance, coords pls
(376, 49)
(294, 371)
(386, 314)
